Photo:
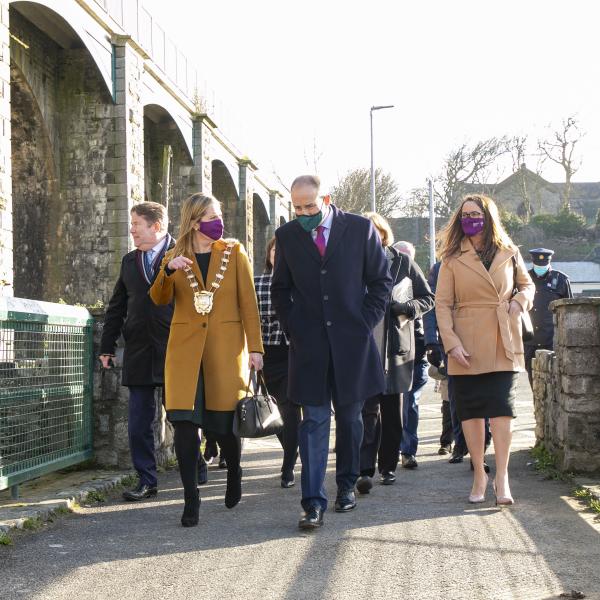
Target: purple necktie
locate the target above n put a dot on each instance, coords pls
(320, 240)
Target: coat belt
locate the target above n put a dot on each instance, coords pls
(501, 307)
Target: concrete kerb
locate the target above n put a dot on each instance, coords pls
(18, 513)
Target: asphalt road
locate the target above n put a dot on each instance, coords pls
(417, 539)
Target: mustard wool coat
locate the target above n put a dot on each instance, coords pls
(472, 310)
(217, 340)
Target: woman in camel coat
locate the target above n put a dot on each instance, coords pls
(206, 367)
(479, 318)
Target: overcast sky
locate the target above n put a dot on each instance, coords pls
(295, 74)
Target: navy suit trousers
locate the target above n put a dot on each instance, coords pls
(142, 410)
(314, 449)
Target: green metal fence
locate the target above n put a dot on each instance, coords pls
(45, 388)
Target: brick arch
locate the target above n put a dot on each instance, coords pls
(224, 190)
(167, 162)
(261, 232)
(35, 192)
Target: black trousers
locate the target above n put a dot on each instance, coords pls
(276, 378)
(529, 356)
(382, 419)
(187, 450)
(447, 435)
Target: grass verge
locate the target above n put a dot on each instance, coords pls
(5, 539)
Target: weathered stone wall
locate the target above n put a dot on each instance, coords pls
(111, 402)
(567, 386)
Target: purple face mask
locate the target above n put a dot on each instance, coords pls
(472, 226)
(212, 229)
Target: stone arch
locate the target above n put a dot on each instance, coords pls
(167, 162)
(261, 232)
(224, 190)
(35, 192)
(70, 26)
(63, 203)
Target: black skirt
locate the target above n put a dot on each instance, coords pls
(487, 395)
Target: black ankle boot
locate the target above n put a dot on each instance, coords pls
(233, 493)
(191, 511)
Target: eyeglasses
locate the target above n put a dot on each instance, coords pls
(471, 215)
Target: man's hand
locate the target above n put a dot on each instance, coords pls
(461, 356)
(435, 356)
(514, 308)
(179, 262)
(106, 360)
(256, 361)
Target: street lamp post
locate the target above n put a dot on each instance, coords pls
(372, 163)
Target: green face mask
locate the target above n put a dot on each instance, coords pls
(310, 222)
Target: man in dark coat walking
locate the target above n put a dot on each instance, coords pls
(145, 328)
(330, 287)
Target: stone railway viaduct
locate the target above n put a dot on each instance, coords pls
(99, 111)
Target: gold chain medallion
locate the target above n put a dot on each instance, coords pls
(203, 299)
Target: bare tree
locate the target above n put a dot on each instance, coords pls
(312, 161)
(353, 192)
(559, 147)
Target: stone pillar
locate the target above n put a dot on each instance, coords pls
(6, 225)
(201, 175)
(274, 196)
(570, 389)
(245, 214)
(125, 170)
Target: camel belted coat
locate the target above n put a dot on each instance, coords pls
(217, 340)
(472, 310)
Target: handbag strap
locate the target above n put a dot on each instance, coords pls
(258, 379)
(515, 287)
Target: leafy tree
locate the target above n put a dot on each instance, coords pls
(353, 192)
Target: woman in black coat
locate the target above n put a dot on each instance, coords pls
(411, 298)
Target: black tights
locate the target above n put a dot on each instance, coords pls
(187, 449)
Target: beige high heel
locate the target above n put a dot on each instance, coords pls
(502, 500)
(478, 498)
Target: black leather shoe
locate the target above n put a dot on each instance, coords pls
(202, 471)
(445, 449)
(312, 518)
(409, 461)
(141, 492)
(388, 478)
(233, 494)
(191, 512)
(457, 456)
(486, 467)
(288, 480)
(345, 501)
(364, 484)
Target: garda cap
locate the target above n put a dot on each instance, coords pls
(541, 256)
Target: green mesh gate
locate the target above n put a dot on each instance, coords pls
(45, 388)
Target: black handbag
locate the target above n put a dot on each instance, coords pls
(257, 415)
(526, 324)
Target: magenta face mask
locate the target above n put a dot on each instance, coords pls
(212, 229)
(472, 226)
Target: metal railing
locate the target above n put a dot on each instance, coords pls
(45, 389)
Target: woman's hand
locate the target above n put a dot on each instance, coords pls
(255, 361)
(514, 308)
(461, 356)
(179, 262)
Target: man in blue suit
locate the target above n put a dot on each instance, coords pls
(330, 287)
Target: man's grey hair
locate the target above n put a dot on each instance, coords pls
(405, 248)
(311, 180)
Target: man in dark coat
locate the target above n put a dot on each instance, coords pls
(330, 286)
(549, 285)
(145, 329)
(382, 415)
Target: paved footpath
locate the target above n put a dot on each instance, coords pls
(417, 539)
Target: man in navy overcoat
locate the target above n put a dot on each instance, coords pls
(330, 286)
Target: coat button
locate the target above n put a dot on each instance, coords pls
(326, 297)
(329, 323)
(203, 324)
(323, 271)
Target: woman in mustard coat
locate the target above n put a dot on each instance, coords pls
(483, 289)
(206, 366)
